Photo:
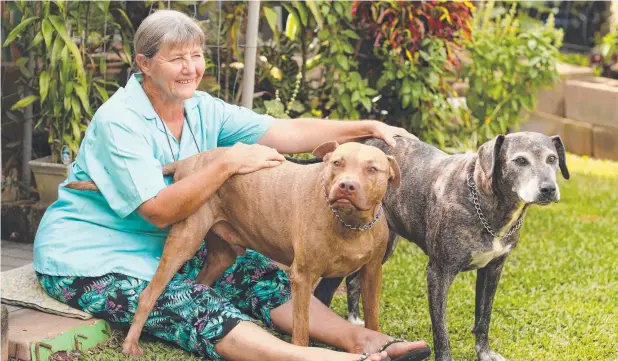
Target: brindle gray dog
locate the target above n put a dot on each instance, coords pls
(436, 208)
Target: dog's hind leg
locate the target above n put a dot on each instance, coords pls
(183, 241)
(487, 279)
(219, 257)
(353, 287)
(439, 281)
(326, 289)
(353, 284)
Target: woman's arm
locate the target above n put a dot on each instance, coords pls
(185, 197)
(304, 135)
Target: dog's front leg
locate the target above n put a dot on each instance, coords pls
(439, 281)
(371, 285)
(302, 283)
(487, 279)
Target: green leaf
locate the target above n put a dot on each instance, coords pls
(77, 109)
(343, 61)
(345, 101)
(291, 27)
(102, 92)
(317, 14)
(83, 96)
(125, 17)
(62, 31)
(103, 65)
(56, 52)
(48, 32)
(18, 29)
(302, 11)
(127, 51)
(43, 85)
(67, 103)
(24, 102)
(405, 101)
(271, 17)
(36, 41)
(323, 34)
(21, 64)
(355, 96)
(68, 87)
(351, 34)
(367, 104)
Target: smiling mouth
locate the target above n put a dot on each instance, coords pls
(185, 81)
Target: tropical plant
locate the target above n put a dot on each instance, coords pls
(507, 68)
(69, 40)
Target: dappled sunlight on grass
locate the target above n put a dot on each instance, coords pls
(590, 166)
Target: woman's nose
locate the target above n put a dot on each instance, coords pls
(189, 66)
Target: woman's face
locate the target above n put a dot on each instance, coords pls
(175, 70)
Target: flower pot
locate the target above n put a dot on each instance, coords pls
(48, 177)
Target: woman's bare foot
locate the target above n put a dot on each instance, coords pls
(371, 342)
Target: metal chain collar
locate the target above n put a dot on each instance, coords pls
(356, 228)
(477, 205)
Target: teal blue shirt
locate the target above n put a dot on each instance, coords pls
(86, 233)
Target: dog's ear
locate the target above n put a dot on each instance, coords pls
(561, 156)
(489, 157)
(323, 150)
(395, 172)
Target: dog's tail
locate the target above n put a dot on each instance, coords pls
(82, 186)
(168, 170)
(303, 161)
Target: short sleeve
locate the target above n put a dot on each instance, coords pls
(121, 162)
(239, 124)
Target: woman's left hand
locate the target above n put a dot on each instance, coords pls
(388, 133)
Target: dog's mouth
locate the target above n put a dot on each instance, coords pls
(346, 203)
(545, 202)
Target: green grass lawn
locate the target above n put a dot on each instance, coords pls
(558, 297)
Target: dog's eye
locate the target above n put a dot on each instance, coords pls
(551, 159)
(372, 169)
(521, 161)
(337, 163)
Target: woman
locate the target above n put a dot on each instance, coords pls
(98, 251)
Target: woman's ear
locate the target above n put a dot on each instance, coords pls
(143, 63)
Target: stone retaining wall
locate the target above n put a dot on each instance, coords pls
(583, 110)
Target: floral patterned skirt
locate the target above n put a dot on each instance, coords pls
(189, 314)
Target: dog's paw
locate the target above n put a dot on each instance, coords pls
(490, 356)
(132, 349)
(355, 320)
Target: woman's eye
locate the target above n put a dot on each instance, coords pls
(521, 161)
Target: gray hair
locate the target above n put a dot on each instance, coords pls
(165, 27)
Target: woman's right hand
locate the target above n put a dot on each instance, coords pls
(243, 158)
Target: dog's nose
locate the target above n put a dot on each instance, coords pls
(548, 189)
(348, 186)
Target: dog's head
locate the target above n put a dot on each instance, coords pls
(525, 164)
(357, 175)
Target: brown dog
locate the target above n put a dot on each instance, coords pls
(322, 220)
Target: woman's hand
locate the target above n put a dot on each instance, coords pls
(388, 132)
(243, 158)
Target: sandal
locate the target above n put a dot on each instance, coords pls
(363, 357)
(414, 355)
